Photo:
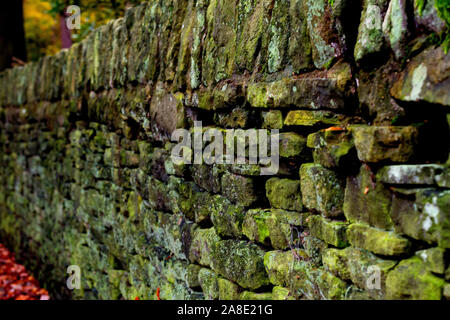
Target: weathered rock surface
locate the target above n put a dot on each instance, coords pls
(426, 78)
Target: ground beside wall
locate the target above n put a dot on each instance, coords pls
(360, 206)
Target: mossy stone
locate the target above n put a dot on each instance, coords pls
(371, 39)
(192, 273)
(281, 293)
(239, 189)
(309, 118)
(208, 281)
(434, 259)
(332, 148)
(248, 295)
(313, 93)
(322, 190)
(326, 44)
(203, 244)
(272, 119)
(411, 280)
(291, 144)
(378, 143)
(378, 241)
(332, 232)
(359, 265)
(284, 194)
(422, 214)
(226, 217)
(367, 200)
(228, 290)
(422, 174)
(241, 262)
(419, 80)
(272, 227)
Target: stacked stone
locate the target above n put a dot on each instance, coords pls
(363, 186)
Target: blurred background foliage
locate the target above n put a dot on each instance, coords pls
(42, 21)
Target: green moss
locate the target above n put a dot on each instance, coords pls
(291, 145)
(332, 232)
(202, 245)
(377, 241)
(420, 4)
(241, 262)
(208, 280)
(357, 265)
(280, 293)
(228, 290)
(272, 227)
(226, 217)
(434, 259)
(272, 119)
(255, 226)
(311, 118)
(411, 280)
(284, 194)
(248, 295)
(322, 190)
(367, 200)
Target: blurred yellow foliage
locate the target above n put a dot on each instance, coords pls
(41, 29)
(42, 19)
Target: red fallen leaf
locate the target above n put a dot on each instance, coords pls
(169, 257)
(157, 293)
(15, 282)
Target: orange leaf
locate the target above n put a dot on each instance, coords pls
(335, 129)
(366, 190)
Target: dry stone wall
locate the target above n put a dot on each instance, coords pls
(359, 209)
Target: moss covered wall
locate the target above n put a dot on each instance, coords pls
(360, 92)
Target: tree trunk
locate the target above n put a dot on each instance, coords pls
(12, 34)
